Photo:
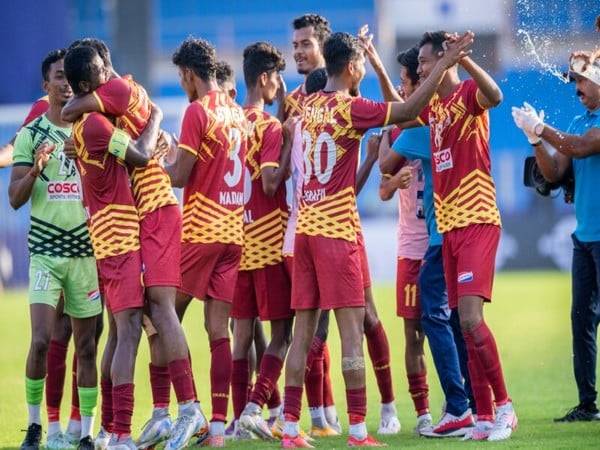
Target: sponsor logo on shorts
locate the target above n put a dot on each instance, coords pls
(443, 160)
(93, 295)
(63, 190)
(465, 277)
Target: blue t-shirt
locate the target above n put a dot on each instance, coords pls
(413, 143)
(587, 172)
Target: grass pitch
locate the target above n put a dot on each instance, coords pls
(529, 316)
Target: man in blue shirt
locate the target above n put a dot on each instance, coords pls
(579, 146)
(445, 340)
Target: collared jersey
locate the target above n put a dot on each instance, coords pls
(214, 130)
(464, 191)
(333, 124)
(264, 217)
(113, 218)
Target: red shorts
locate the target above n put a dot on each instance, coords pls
(288, 262)
(122, 281)
(327, 274)
(364, 262)
(469, 261)
(264, 293)
(408, 299)
(160, 238)
(210, 270)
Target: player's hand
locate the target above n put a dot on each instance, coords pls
(456, 48)
(587, 57)
(404, 177)
(373, 145)
(530, 121)
(69, 149)
(281, 91)
(42, 156)
(366, 41)
(156, 112)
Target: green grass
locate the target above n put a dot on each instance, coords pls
(529, 316)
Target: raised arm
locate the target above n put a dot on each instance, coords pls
(390, 183)
(488, 94)
(553, 165)
(365, 168)
(78, 106)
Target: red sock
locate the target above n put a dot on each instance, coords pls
(55, 379)
(419, 391)
(379, 352)
(313, 380)
(75, 414)
(356, 399)
(239, 386)
(160, 383)
(275, 398)
(487, 352)
(220, 378)
(479, 383)
(327, 388)
(181, 376)
(292, 403)
(122, 408)
(107, 404)
(193, 381)
(270, 370)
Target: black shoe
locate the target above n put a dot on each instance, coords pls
(580, 413)
(87, 443)
(32, 438)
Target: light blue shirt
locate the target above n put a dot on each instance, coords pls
(587, 174)
(413, 143)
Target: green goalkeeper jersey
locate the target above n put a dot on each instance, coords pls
(58, 220)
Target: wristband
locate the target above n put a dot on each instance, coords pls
(118, 144)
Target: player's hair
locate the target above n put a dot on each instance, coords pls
(261, 57)
(198, 55)
(410, 59)
(78, 65)
(319, 23)
(315, 81)
(99, 45)
(224, 73)
(51, 58)
(339, 49)
(435, 38)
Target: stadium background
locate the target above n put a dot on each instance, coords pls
(143, 34)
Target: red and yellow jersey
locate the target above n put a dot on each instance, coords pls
(112, 217)
(264, 217)
(39, 107)
(333, 124)
(294, 101)
(214, 130)
(129, 103)
(464, 191)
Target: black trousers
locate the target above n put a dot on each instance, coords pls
(585, 315)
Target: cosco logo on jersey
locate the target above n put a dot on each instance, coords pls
(63, 190)
(443, 160)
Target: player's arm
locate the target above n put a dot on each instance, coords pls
(387, 87)
(390, 183)
(488, 93)
(281, 96)
(274, 174)
(24, 174)
(572, 145)
(553, 165)
(365, 168)
(180, 171)
(6, 153)
(78, 106)
(409, 110)
(389, 160)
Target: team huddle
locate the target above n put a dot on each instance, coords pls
(107, 231)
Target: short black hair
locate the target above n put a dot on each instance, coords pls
(319, 23)
(435, 38)
(224, 73)
(261, 57)
(339, 49)
(78, 65)
(99, 45)
(410, 59)
(199, 55)
(51, 58)
(315, 81)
